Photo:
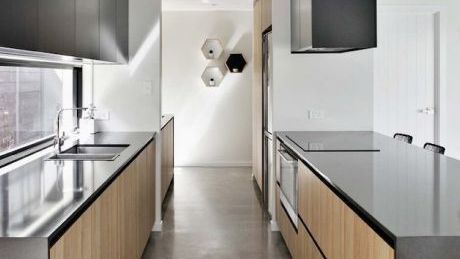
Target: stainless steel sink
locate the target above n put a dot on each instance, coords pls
(90, 153)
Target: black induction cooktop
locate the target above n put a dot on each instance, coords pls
(328, 141)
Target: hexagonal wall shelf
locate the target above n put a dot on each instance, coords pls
(212, 49)
(236, 63)
(212, 76)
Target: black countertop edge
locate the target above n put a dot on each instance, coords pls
(382, 231)
(166, 119)
(60, 231)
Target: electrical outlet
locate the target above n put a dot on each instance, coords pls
(101, 115)
(315, 114)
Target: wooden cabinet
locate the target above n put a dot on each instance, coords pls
(307, 248)
(338, 230)
(91, 29)
(287, 229)
(266, 14)
(123, 31)
(56, 27)
(167, 157)
(119, 222)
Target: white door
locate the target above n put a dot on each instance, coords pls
(405, 73)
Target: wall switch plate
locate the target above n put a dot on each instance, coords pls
(315, 114)
(101, 115)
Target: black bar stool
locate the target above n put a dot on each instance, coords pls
(403, 137)
(435, 148)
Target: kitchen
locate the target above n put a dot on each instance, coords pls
(229, 129)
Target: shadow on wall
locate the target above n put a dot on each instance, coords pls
(129, 88)
(225, 96)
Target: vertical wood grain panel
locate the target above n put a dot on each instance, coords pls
(119, 222)
(307, 248)
(339, 232)
(266, 14)
(287, 230)
(257, 126)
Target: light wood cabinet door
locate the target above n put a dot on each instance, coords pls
(307, 248)
(118, 224)
(338, 230)
(266, 14)
(288, 231)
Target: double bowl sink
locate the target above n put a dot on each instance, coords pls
(83, 152)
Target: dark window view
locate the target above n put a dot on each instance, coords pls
(29, 100)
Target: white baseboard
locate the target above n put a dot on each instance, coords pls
(274, 226)
(216, 164)
(158, 227)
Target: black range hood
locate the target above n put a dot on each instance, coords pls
(333, 26)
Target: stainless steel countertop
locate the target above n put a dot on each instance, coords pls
(40, 197)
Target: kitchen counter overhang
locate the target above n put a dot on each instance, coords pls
(406, 194)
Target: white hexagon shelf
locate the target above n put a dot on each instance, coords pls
(212, 49)
(212, 76)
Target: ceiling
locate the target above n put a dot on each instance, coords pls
(185, 5)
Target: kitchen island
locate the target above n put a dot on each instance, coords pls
(405, 195)
(53, 209)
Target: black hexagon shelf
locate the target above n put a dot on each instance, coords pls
(236, 63)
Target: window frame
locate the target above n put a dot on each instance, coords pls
(19, 152)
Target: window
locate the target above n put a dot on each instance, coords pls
(29, 100)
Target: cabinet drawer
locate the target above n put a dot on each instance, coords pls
(307, 248)
(338, 230)
(287, 230)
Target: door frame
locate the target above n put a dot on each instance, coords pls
(440, 106)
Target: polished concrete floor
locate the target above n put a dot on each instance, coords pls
(215, 213)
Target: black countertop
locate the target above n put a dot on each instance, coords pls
(41, 198)
(404, 192)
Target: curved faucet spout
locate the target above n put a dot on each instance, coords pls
(58, 139)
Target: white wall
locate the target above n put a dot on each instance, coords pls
(212, 125)
(132, 92)
(450, 124)
(341, 85)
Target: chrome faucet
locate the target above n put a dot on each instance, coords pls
(58, 139)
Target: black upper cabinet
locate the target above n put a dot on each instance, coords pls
(18, 24)
(333, 25)
(90, 29)
(123, 30)
(56, 31)
(108, 30)
(87, 29)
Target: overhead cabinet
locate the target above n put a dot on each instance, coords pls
(86, 29)
(333, 25)
(56, 23)
(18, 24)
(87, 34)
